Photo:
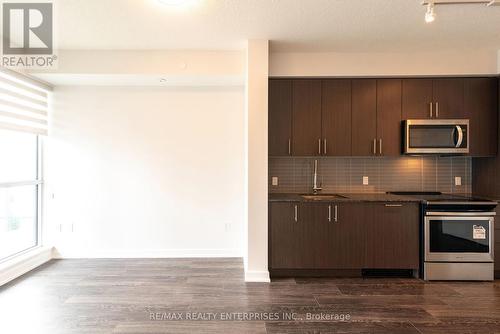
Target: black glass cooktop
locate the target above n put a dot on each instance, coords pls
(434, 196)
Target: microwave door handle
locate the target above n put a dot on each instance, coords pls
(460, 136)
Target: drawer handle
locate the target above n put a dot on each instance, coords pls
(329, 213)
(336, 214)
(296, 213)
(393, 205)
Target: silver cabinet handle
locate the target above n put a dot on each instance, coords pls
(289, 146)
(430, 110)
(374, 146)
(393, 205)
(319, 146)
(296, 213)
(336, 214)
(437, 109)
(329, 213)
(380, 146)
(324, 146)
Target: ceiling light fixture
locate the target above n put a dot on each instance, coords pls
(430, 15)
(173, 2)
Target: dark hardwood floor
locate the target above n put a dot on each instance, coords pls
(136, 296)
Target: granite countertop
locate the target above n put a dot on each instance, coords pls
(357, 197)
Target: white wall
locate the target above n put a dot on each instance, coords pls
(146, 171)
(457, 62)
(171, 62)
(145, 68)
(256, 266)
(498, 61)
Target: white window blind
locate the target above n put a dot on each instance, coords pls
(24, 103)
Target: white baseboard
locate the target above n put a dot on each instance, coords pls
(20, 265)
(257, 276)
(147, 253)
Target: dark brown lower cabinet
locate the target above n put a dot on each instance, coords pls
(392, 236)
(346, 238)
(332, 241)
(344, 235)
(287, 235)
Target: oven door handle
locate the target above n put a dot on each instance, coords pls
(460, 138)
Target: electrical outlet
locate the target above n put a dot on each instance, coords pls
(365, 180)
(458, 181)
(274, 180)
(228, 227)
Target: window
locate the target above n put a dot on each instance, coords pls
(20, 189)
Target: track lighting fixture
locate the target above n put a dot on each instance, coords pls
(430, 15)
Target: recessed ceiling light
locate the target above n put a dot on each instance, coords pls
(163, 80)
(173, 2)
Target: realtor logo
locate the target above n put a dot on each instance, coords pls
(27, 28)
(27, 35)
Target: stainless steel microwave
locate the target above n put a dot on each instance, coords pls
(436, 136)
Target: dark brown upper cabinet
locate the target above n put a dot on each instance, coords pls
(306, 117)
(376, 117)
(364, 117)
(416, 98)
(280, 117)
(389, 117)
(481, 107)
(336, 117)
(448, 96)
(433, 98)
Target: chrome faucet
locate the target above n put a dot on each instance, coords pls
(316, 188)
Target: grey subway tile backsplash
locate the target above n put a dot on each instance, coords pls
(345, 174)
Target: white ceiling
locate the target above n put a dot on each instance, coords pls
(292, 25)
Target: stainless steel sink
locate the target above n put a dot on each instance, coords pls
(322, 197)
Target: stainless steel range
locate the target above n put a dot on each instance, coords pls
(457, 238)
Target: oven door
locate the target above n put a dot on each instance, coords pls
(458, 238)
(436, 136)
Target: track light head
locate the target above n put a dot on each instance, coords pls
(430, 15)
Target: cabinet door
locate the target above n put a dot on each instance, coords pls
(389, 117)
(315, 253)
(481, 106)
(448, 96)
(392, 236)
(336, 117)
(280, 117)
(306, 117)
(416, 98)
(287, 235)
(346, 236)
(364, 117)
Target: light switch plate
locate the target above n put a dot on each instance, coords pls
(274, 180)
(365, 180)
(458, 181)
